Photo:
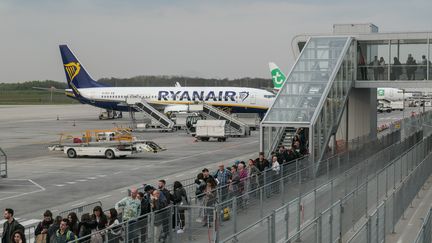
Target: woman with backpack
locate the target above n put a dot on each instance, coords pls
(180, 200)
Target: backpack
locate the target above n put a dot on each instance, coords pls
(226, 214)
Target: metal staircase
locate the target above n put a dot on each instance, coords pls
(235, 126)
(313, 96)
(156, 117)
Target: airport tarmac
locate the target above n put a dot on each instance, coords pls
(40, 179)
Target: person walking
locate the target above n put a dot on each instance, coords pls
(10, 226)
(180, 200)
(131, 207)
(41, 231)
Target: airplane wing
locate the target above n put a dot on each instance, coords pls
(52, 89)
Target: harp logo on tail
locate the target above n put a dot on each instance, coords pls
(72, 69)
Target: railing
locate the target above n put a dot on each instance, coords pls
(80, 210)
(425, 233)
(3, 164)
(158, 226)
(393, 72)
(305, 207)
(383, 219)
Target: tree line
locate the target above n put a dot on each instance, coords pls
(147, 81)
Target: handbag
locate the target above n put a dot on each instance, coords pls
(184, 202)
(96, 237)
(41, 238)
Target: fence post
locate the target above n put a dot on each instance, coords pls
(273, 227)
(216, 220)
(394, 213)
(170, 222)
(319, 223)
(287, 221)
(386, 185)
(368, 230)
(234, 212)
(282, 190)
(315, 203)
(385, 218)
(331, 224)
(126, 231)
(261, 203)
(366, 195)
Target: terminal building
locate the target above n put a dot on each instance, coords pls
(330, 93)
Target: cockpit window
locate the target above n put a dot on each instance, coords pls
(269, 96)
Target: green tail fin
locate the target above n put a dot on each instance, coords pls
(278, 77)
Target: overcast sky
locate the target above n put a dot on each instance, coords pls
(212, 39)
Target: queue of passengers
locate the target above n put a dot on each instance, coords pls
(379, 69)
(100, 227)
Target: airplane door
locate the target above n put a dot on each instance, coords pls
(253, 99)
(92, 97)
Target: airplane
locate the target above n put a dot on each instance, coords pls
(88, 91)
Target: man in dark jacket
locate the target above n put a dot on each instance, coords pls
(10, 226)
(63, 234)
(261, 163)
(166, 193)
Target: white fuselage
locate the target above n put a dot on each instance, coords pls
(235, 97)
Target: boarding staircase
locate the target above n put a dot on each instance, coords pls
(234, 126)
(287, 137)
(157, 118)
(313, 96)
(3, 164)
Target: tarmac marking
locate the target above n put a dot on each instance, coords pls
(101, 175)
(103, 197)
(41, 188)
(82, 180)
(60, 185)
(71, 182)
(208, 152)
(179, 175)
(116, 173)
(77, 204)
(91, 178)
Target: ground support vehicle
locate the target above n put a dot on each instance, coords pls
(114, 143)
(206, 129)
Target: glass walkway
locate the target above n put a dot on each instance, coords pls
(311, 102)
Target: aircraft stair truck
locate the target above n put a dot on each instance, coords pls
(3, 164)
(206, 129)
(157, 118)
(111, 144)
(236, 128)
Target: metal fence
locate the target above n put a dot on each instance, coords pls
(354, 151)
(299, 218)
(385, 216)
(163, 226)
(3, 164)
(255, 197)
(80, 210)
(425, 233)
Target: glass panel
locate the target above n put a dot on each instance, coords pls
(333, 107)
(409, 60)
(301, 93)
(373, 60)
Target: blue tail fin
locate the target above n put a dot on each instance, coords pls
(76, 75)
